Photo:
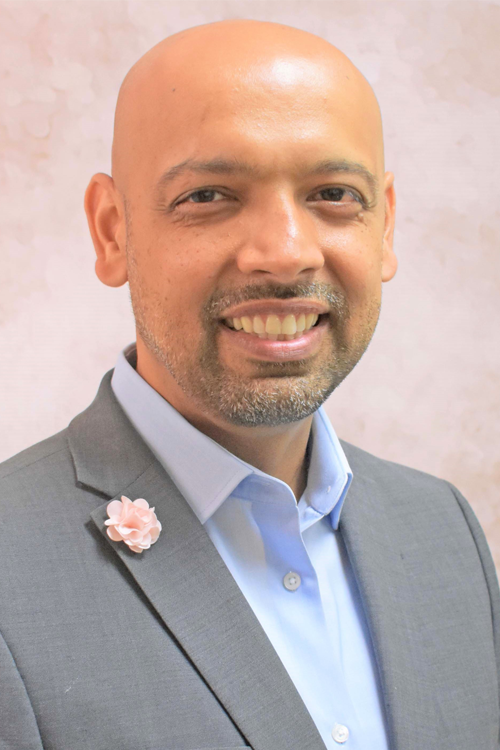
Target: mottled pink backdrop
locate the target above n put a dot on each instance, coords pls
(426, 393)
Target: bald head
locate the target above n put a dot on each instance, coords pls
(192, 77)
(247, 165)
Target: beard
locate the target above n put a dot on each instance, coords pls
(279, 392)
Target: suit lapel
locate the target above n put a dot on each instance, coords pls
(380, 526)
(380, 578)
(188, 584)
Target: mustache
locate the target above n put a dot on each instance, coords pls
(317, 290)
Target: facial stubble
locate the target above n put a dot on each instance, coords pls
(277, 392)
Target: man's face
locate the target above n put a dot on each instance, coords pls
(258, 226)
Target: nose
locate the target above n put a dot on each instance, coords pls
(280, 240)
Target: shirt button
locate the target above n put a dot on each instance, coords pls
(340, 733)
(291, 581)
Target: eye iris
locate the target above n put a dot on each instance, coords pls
(203, 196)
(332, 194)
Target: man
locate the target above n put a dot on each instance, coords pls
(198, 561)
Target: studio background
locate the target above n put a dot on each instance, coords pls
(426, 393)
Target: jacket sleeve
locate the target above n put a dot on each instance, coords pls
(18, 727)
(489, 574)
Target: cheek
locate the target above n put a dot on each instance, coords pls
(362, 276)
(181, 274)
(354, 259)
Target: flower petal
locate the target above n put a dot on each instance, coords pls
(128, 510)
(114, 534)
(154, 533)
(135, 536)
(135, 522)
(114, 508)
(141, 503)
(125, 531)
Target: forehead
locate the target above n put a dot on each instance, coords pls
(275, 115)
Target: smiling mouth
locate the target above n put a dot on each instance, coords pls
(274, 327)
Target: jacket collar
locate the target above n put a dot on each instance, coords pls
(107, 452)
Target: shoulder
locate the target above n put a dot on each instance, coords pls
(433, 512)
(410, 493)
(373, 468)
(422, 504)
(44, 517)
(46, 470)
(40, 479)
(35, 459)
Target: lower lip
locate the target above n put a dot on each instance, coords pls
(277, 351)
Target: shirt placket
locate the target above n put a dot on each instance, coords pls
(301, 636)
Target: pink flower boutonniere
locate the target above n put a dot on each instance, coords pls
(134, 523)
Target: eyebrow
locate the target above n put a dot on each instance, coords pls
(234, 166)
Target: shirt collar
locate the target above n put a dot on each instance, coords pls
(205, 472)
(329, 476)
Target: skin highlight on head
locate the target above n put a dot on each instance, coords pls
(248, 165)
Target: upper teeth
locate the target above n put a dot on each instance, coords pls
(271, 326)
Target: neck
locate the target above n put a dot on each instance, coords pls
(277, 450)
(280, 451)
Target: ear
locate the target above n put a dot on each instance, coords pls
(389, 260)
(106, 219)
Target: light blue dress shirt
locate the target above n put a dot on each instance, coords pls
(287, 558)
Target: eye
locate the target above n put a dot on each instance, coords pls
(336, 194)
(203, 196)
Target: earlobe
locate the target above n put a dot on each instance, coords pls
(389, 265)
(106, 223)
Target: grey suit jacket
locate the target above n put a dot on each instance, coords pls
(105, 649)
